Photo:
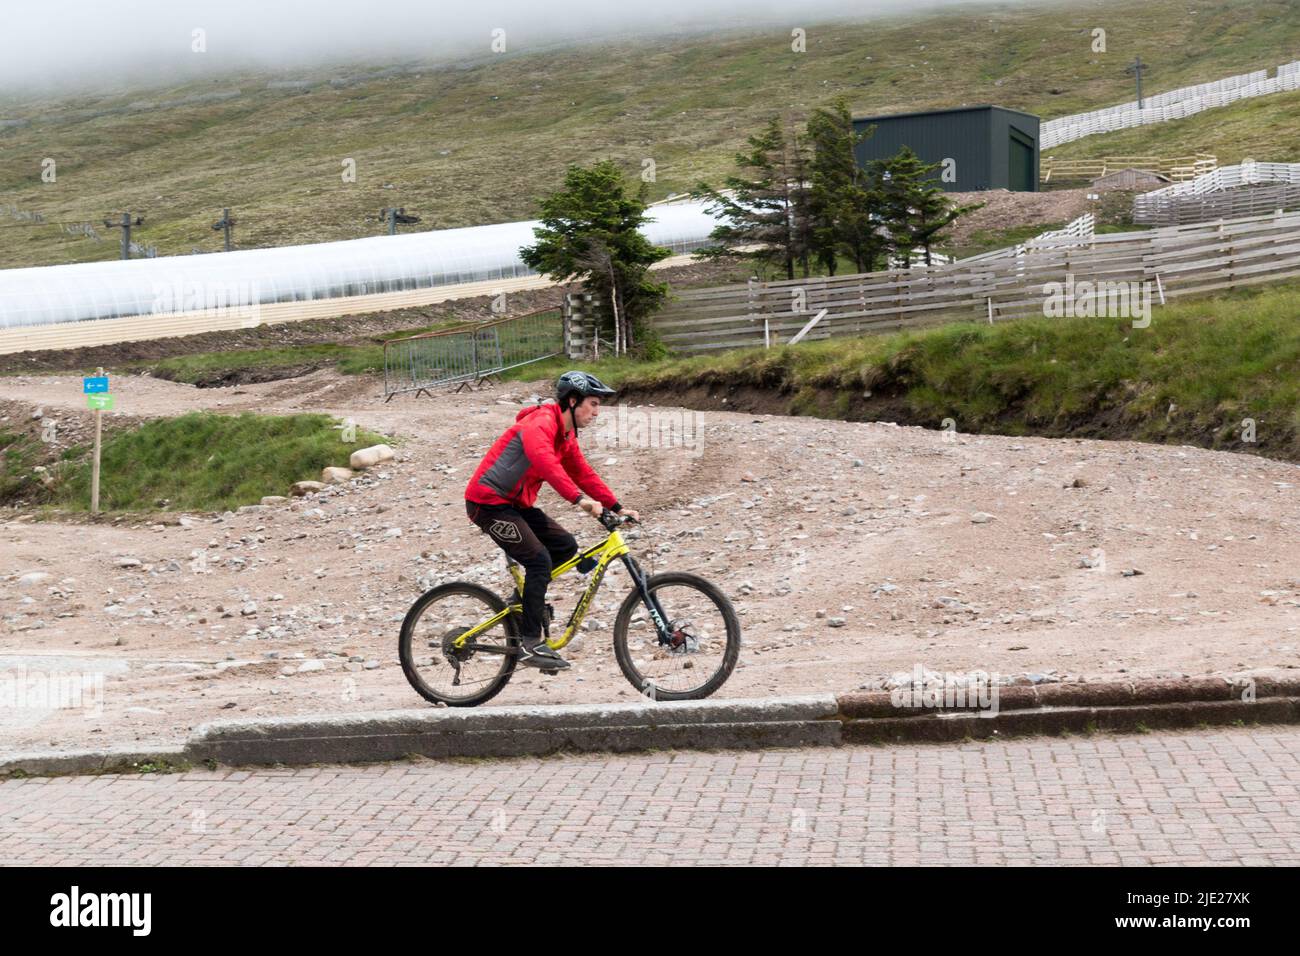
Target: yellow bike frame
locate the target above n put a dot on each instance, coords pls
(605, 552)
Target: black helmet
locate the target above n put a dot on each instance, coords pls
(581, 384)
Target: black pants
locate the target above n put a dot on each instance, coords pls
(533, 539)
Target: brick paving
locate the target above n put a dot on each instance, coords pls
(1221, 796)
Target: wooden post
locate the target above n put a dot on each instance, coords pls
(565, 335)
(94, 470)
(900, 297)
(811, 322)
(572, 327)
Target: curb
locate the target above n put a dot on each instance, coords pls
(813, 720)
(50, 763)
(859, 705)
(1072, 708)
(521, 731)
(1075, 720)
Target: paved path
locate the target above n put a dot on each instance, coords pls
(1222, 796)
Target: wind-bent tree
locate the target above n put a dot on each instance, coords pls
(591, 232)
(844, 203)
(764, 210)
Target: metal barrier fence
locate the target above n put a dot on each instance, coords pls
(470, 353)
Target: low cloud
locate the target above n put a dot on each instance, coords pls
(111, 45)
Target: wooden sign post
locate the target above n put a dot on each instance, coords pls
(97, 397)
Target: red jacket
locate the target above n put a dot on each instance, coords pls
(532, 450)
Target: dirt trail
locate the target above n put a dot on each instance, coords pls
(871, 523)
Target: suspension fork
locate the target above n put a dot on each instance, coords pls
(651, 601)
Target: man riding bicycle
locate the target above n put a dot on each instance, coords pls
(542, 445)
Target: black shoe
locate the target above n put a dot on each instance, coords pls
(534, 652)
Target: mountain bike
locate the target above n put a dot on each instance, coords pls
(676, 635)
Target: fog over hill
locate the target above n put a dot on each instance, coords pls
(93, 45)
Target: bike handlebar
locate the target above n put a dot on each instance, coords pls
(612, 519)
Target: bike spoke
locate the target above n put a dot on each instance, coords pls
(457, 673)
(698, 648)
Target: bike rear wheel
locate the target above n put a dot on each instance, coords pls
(706, 635)
(439, 671)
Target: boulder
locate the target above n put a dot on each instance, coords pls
(301, 489)
(273, 499)
(369, 457)
(335, 476)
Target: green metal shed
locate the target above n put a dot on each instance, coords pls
(981, 147)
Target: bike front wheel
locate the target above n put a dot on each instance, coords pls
(704, 644)
(457, 676)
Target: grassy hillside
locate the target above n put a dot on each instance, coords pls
(1266, 129)
(1190, 378)
(478, 142)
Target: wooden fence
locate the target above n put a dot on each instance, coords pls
(581, 322)
(1233, 203)
(1075, 232)
(1229, 192)
(1176, 168)
(1166, 263)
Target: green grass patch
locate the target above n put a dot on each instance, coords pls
(208, 462)
(1120, 227)
(19, 453)
(160, 766)
(987, 240)
(210, 366)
